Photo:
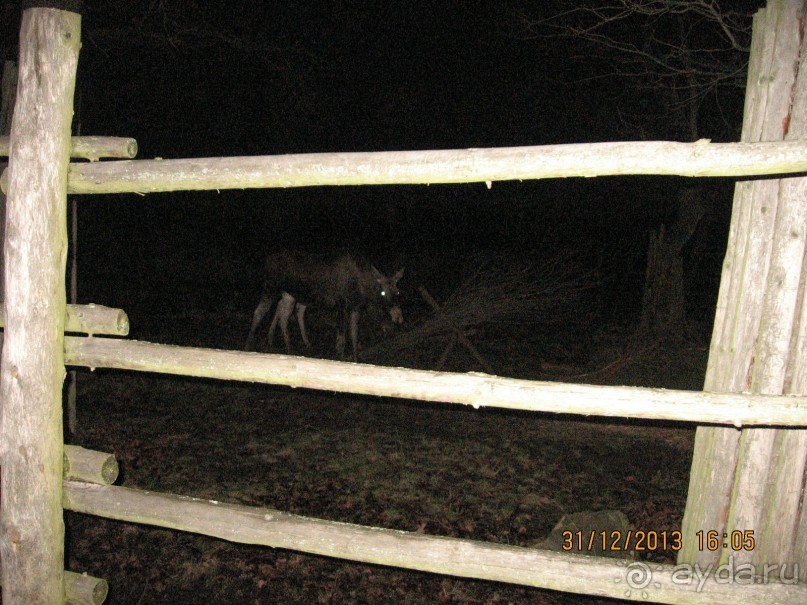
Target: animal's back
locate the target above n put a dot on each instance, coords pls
(317, 278)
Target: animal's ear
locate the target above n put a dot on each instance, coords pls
(376, 273)
(397, 276)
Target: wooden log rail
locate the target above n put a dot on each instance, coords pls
(90, 148)
(478, 390)
(91, 319)
(83, 589)
(89, 466)
(465, 558)
(701, 158)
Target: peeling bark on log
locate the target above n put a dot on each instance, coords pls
(32, 371)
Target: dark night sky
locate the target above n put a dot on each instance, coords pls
(190, 79)
(323, 77)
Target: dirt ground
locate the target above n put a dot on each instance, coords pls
(492, 475)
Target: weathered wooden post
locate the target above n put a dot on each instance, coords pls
(7, 98)
(32, 371)
(753, 480)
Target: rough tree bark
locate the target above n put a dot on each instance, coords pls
(32, 371)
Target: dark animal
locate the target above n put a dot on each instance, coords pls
(295, 280)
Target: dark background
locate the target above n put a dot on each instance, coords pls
(188, 79)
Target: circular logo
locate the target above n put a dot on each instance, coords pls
(638, 576)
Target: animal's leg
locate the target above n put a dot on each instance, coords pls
(340, 332)
(284, 301)
(284, 310)
(340, 344)
(261, 310)
(354, 333)
(301, 323)
(274, 325)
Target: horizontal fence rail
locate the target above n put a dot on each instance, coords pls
(89, 148)
(80, 588)
(701, 158)
(452, 556)
(90, 319)
(478, 390)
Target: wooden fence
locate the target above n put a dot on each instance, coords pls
(758, 348)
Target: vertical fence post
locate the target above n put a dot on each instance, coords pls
(7, 99)
(752, 480)
(32, 371)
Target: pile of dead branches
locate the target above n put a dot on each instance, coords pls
(499, 296)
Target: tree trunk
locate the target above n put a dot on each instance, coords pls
(663, 301)
(31, 442)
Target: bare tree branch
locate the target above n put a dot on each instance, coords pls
(682, 50)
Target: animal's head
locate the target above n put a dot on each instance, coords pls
(389, 294)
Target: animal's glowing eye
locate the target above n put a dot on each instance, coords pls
(383, 292)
